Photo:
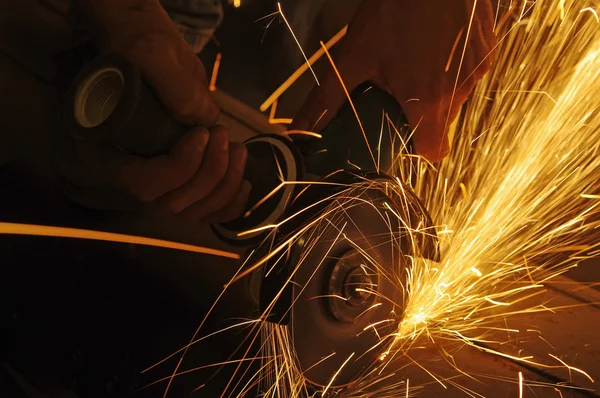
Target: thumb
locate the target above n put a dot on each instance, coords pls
(326, 99)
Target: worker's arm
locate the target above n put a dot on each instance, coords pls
(416, 51)
(201, 177)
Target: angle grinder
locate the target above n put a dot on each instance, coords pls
(338, 295)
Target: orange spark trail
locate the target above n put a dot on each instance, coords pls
(274, 120)
(296, 40)
(337, 72)
(461, 60)
(314, 58)
(75, 233)
(520, 384)
(460, 33)
(215, 73)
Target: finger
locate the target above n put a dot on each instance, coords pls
(147, 179)
(326, 99)
(185, 92)
(430, 138)
(213, 169)
(464, 89)
(234, 209)
(485, 14)
(487, 22)
(470, 71)
(227, 188)
(487, 52)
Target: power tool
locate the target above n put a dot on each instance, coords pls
(338, 296)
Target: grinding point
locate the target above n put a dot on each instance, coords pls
(348, 297)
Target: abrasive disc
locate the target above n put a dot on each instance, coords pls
(348, 289)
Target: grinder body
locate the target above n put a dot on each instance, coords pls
(110, 103)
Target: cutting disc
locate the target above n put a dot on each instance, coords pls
(348, 294)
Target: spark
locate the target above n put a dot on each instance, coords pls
(523, 10)
(75, 233)
(281, 120)
(320, 117)
(297, 42)
(211, 365)
(336, 374)
(428, 372)
(357, 167)
(303, 68)
(462, 57)
(302, 132)
(454, 46)
(572, 368)
(594, 12)
(215, 73)
(463, 189)
(274, 120)
(193, 340)
(547, 342)
(520, 384)
(337, 72)
(542, 92)
(496, 302)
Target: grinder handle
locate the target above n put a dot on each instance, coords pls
(109, 102)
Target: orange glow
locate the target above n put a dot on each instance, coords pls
(215, 73)
(314, 58)
(274, 120)
(62, 232)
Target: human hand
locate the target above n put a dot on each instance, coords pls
(201, 178)
(403, 47)
(143, 32)
(202, 175)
